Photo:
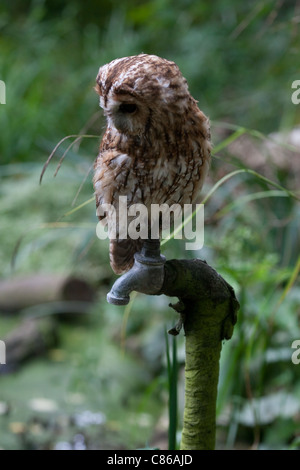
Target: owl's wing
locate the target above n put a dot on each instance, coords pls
(111, 180)
(111, 176)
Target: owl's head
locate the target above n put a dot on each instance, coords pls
(138, 92)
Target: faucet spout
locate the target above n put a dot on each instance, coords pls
(145, 276)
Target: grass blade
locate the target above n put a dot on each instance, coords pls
(172, 368)
(77, 139)
(222, 181)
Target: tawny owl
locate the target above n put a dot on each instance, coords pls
(156, 147)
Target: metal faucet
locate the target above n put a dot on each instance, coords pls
(146, 275)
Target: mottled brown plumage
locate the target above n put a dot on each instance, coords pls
(156, 147)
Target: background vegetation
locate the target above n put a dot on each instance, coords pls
(105, 384)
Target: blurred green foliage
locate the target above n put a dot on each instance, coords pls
(240, 59)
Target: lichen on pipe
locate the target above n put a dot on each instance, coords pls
(209, 306)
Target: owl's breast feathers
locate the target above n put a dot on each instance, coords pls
(171, 170)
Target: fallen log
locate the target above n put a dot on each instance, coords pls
(20, 293)
(33, 337)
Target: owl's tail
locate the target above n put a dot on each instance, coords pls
(121, 253)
